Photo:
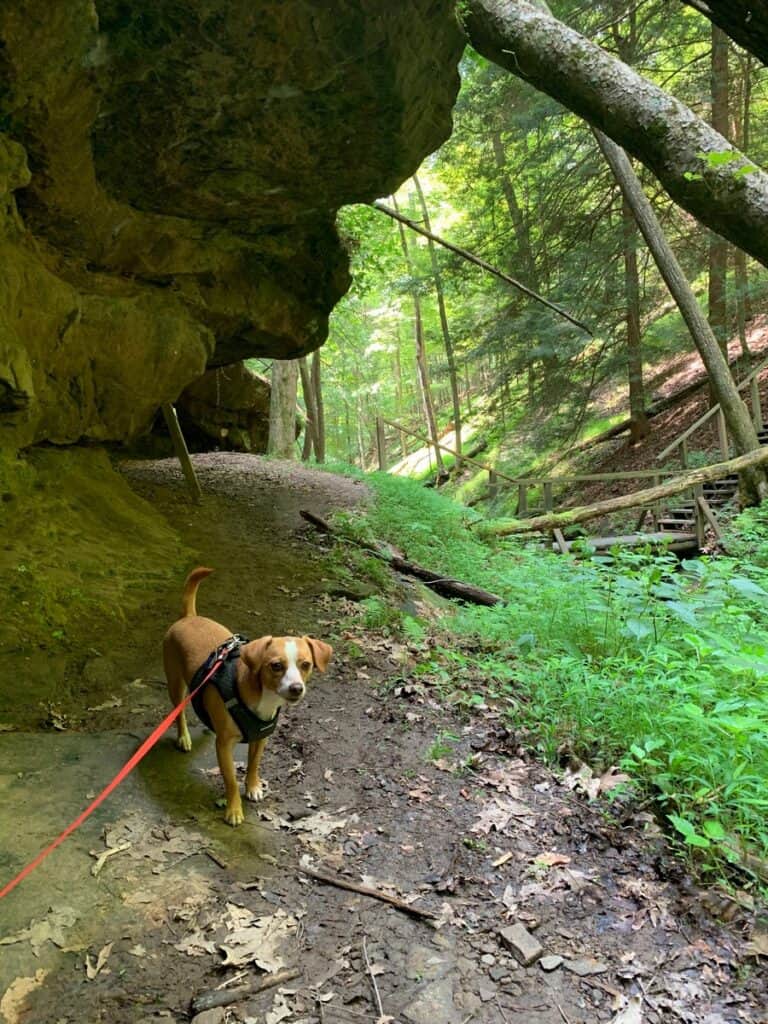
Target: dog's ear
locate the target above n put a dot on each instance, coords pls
(321, 652)
(253, 653)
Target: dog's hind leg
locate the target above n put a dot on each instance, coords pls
(177, 691)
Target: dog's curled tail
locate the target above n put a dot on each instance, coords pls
(191, 584)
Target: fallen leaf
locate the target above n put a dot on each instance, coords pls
(12, 1005)
(51, 927)
(503, 859)
(758, 943)
(321, 824)
(92, 970)
(114, 703)
(632, 1012)
(257, 940)
(497, 813)
(550, 859)
(280, 1009)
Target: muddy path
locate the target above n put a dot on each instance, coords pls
(372, 779)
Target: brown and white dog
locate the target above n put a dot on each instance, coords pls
(271, 672)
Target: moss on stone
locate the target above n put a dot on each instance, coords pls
(80, 551)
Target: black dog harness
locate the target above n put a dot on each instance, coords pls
(251, 727)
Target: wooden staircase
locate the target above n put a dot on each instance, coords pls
(686, 517)
(681, 528)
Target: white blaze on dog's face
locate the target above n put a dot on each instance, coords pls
(291, 670)
(284, 664)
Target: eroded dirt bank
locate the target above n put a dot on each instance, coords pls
(370, 779)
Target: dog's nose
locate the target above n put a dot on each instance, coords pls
(295, 690)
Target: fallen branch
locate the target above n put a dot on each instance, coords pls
(225, 997)
(581, 514)
(471, 258)
(365, 890)
(443, 585)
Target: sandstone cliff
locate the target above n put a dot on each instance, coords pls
(169, 177)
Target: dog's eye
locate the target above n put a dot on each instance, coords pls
(276, 666)
(305, 666)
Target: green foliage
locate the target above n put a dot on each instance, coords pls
(633, 659)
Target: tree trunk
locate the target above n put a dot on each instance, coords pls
(742, 429)
(530, 272)
(447, 341)
(310, 426)
(319, 407)
(282, 409)
(718, 247)
(421, 355)
(746, 21)
(639, 427)
(649, 123)
(742, 130)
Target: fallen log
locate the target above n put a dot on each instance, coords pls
(583, 513)
(446, 586)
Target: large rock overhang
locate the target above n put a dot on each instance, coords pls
(169, 179)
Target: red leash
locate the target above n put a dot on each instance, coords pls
(129, 765)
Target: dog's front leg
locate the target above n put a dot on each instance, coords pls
(225, 752)
(254, 787)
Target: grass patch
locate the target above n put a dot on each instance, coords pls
(637, 659)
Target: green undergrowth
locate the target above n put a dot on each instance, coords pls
(635, 659)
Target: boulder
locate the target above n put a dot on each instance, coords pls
(227, 408)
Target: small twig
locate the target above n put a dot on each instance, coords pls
(562, 1012)
(501, 1011)
(104, 857)
(373, 980)
(216, 859)
(209, 1000)
(365, 890)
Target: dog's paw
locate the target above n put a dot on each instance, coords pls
(234, 816)
(256, 793)
(184, 742)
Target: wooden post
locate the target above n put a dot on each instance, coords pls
(548, 506)
(722, 434)
(381, 444)
(182, 453)
(710, 516)
(698, 492)
(522, 501)
(560, 541)
(493, 485)
(656, 505)
(757, 412)
(684, 453)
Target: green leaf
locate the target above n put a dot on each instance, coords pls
(714, 830)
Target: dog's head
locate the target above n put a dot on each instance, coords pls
(284, 664)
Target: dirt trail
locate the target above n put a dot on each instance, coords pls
(370, 777)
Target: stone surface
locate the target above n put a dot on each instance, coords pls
(550, 963)
(169, 179)
(522, 944)
(226, 408)
(585, 967)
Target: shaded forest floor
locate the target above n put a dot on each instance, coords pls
(370, 778)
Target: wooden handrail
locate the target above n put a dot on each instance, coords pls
(708, 414)
(532, 481)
